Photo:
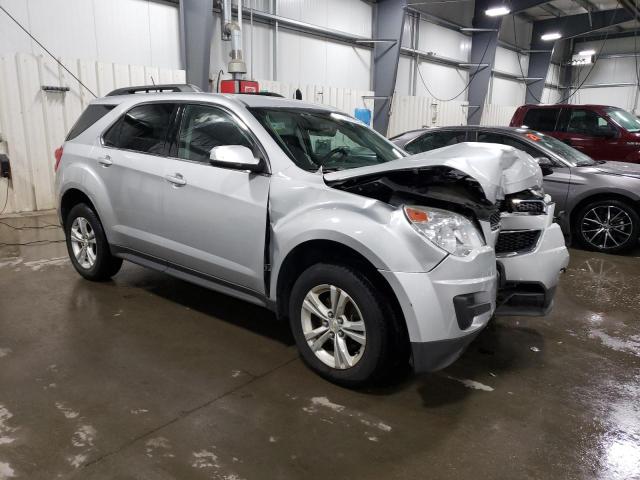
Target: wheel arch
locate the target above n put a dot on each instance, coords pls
(329, 251)
(72, 197)
(601, 196)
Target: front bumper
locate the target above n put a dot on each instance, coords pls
(446, 308)
(528, 281)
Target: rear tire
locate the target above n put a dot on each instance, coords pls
(607, 226)
(336, 307)
(87, 245)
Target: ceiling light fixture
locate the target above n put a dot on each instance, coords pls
(547, 37)
(587, 53)
(497, 11)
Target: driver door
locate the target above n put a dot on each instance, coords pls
(215, 217)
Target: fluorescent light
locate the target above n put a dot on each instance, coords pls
(550, 36)
(497, 11)
(587, 53)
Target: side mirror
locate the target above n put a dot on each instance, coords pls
(234, 156)
(545, 165)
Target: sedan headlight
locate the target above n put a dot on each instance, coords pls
(449, 231)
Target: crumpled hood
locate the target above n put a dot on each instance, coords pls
(499, 169)
(619, 168)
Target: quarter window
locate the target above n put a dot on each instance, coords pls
(541, 119)
(142, 129)
(204, 128)
(91, 115)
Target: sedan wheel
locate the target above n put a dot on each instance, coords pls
(333, 326)
(608, 226)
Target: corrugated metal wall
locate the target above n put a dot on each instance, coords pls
(33, 123)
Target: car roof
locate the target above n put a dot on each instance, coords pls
(568, 105)
(258, 101)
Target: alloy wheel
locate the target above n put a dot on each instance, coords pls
(606, 226)
(83, 243)
(333, 326)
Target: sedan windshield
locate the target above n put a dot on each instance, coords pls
(561, 149)
(316, 139)
(625, 119)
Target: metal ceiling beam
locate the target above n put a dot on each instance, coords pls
(483, 54)
(388, 25)
(519, 6)
(555, 11)
(569, 27)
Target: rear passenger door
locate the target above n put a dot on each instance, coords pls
(215, 217)
(436, 139)
(131, 164)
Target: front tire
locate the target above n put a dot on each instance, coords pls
(342, 325)
(87, 245)
(608, 226)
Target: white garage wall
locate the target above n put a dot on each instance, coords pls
(33, 123)
(141, 32)
(304, 59)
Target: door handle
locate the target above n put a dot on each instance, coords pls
(177, 179)
(105, 161)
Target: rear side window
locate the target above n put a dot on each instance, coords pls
(91, 115)
(541, 119)
(431, 141)
(142, 129)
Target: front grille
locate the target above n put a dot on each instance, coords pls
(534, 207)
(494, 220)
(516, 241)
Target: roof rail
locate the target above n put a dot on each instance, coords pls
(264, 94)
(170, 87)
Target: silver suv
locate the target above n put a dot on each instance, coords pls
(375, 258)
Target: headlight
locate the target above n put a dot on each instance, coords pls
(450, 231)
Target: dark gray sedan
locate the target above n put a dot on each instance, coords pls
(598, 202)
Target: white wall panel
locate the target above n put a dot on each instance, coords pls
(405, 75)
(124, 31)
(623, 97)
(352, 16)
(443, 82)
(34, 123)
(551, 95)
(444, 41)
(497, 115)
(507, 92)
(507, 61)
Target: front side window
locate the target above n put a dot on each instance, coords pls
(625, 119)
(433, 140)
(561, 149)
(142, 129)
(490, 137)
(588, 122)
(333, 141)
(541, 119)
(203, 128)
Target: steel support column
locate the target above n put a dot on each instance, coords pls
(569, 27)
(196, 34)
(483, 54)
(388, 25)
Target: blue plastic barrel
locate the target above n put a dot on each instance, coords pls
(364, 115)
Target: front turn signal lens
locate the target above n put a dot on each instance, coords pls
(415, 215)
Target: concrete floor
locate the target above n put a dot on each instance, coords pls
(148, 377)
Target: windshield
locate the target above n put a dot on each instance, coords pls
(561, 149)
(333, 141)
(625, 119)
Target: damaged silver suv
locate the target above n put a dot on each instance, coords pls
(375, 258)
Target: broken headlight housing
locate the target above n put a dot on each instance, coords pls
(451, 232)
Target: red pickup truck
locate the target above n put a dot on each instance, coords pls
(600, 131)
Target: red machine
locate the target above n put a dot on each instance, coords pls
(239, 86)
